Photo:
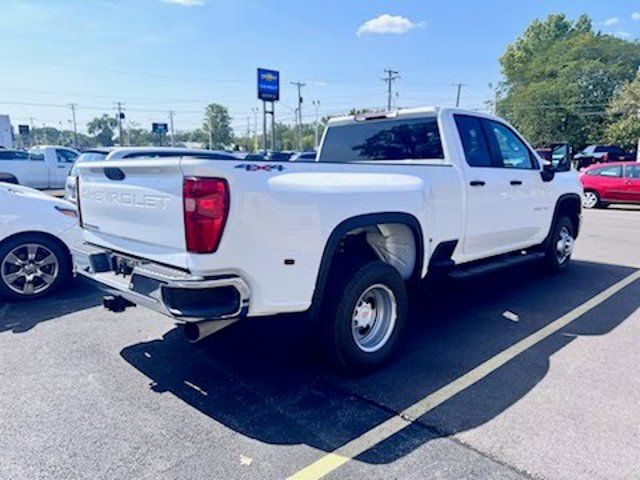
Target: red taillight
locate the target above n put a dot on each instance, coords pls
(206, 205)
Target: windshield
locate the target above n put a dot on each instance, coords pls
(88, 157)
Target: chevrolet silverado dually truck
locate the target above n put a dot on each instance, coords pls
(391, 198)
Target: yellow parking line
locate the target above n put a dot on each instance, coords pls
(395, 424)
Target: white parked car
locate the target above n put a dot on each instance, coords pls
(96, 154)
(392, 197)
(36, 233)
(40, 167)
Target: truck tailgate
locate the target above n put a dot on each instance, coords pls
(136, 207)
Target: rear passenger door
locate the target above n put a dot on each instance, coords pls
(632, 183)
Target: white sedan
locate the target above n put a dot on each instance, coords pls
(36, 231)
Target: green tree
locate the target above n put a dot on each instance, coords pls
(103, 129)
(559, 77)
(138, 136)
(216, 118)
(624, 130)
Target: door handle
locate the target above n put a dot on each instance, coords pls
(61, 166)
(476, 183)
(516, 182)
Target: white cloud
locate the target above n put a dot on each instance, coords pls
(635, 16)
(611, 21)
(186, 3)
(386, 23)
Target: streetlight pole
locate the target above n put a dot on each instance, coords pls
(316, 103)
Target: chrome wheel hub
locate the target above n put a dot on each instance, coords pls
(29, 269)
(374, 318)
(564, 245)
(589, 200)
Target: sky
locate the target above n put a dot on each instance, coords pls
(161, 55)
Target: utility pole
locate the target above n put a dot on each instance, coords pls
(248, 131)
(316, 103)
(299, 116)
(255, 111)
(392, 76)
(459, 92)
(34, 139)
(73, 119)
(120, 107)
(173, 140)
(210, 132)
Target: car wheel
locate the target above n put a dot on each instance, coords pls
(32, 266)
(365, 316)
(8, 178)
(560, 248)
(590, 199)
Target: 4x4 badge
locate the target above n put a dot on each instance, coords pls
(255, 167)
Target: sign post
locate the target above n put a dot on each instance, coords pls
(159, 129)
(269, 93)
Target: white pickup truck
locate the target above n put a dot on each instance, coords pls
(40, 167)
(391, 198)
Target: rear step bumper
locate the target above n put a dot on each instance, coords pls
(166, 290)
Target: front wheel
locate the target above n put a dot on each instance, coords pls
(364, 317)
(560, 248)
(32, 266)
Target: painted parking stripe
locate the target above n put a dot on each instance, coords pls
(395, 424)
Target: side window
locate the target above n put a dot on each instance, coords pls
(474, 141)
(36, 155)
(512, 151)
(65, 156)
(632, 171)
(13, 155)
(613, 171)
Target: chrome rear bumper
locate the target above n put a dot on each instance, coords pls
(170, 291)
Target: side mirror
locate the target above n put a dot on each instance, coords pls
(561, 155)
(548, 172)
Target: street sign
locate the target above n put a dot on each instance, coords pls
(23, 130)
(159, 128)
(268, 85)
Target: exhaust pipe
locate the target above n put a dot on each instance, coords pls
(194, 332)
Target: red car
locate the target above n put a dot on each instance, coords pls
(617, 182)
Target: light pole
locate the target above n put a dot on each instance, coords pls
(255, 111)
(316, 103)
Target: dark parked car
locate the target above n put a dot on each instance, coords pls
(601, 154)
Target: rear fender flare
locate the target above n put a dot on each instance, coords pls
(361, 221)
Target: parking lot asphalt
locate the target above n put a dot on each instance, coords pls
(85, 393)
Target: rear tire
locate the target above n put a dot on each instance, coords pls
(364, 315)
(31, 266)
(560, 248)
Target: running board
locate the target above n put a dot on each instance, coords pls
(499, 263)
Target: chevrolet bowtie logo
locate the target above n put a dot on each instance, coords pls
(269, 77)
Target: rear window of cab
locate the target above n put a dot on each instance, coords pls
(382, 140)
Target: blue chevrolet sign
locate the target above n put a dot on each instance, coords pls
(268, 85)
